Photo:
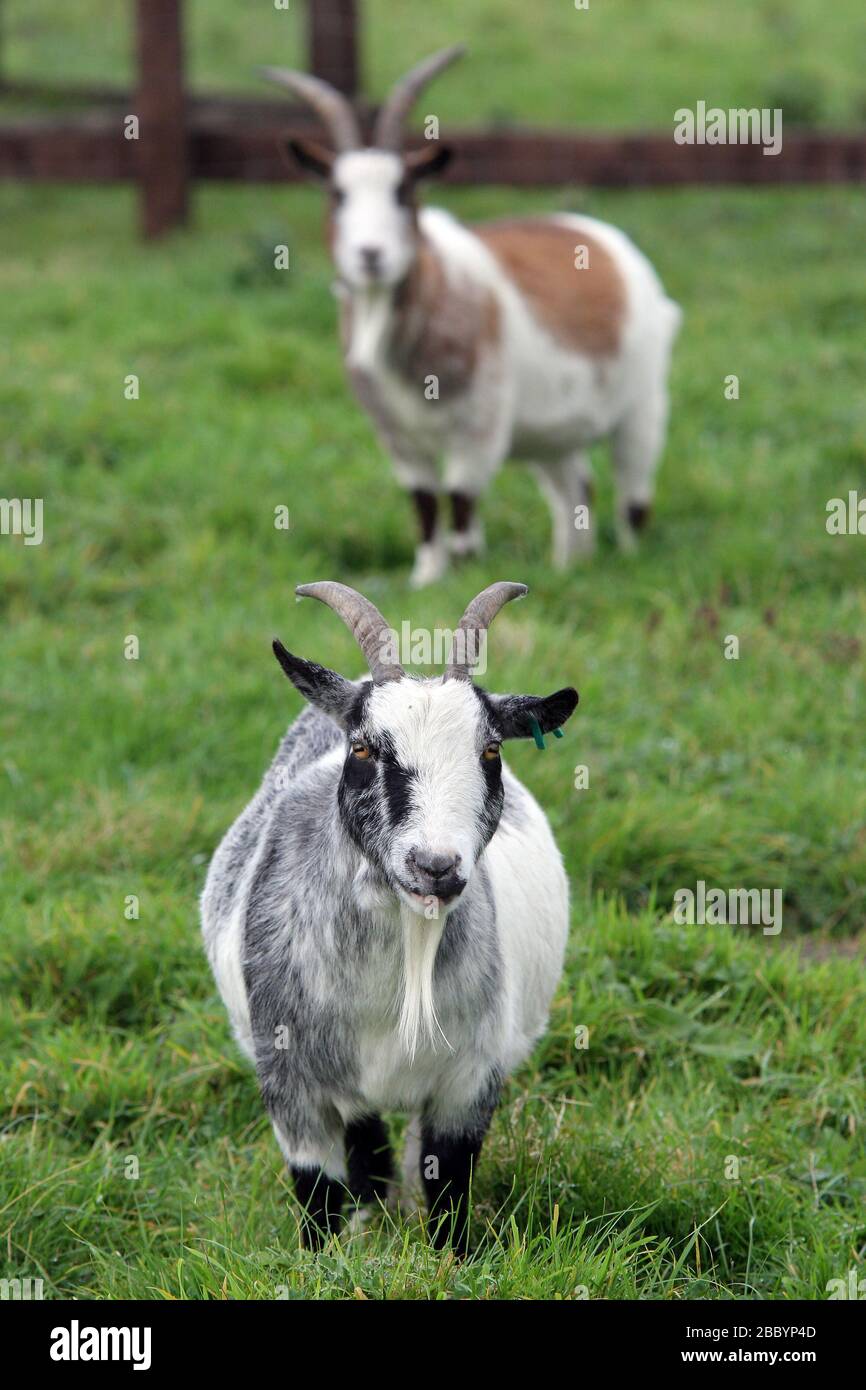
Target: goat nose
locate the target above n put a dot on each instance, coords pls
(435, 866)
(370, 256)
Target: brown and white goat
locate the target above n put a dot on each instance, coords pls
(529, 338)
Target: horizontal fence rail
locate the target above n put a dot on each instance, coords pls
(185, 136)
(239, 141)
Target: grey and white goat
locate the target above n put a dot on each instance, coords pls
(386, 920)
(528, 337)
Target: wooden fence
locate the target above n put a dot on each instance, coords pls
(183, 138)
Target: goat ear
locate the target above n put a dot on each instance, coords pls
(312, 157)
(515, 713)
(332, 694)
(420, 164)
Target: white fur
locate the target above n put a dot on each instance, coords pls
(435, 730)
(418, 1046)
(530, 397)
(418, 1018)
(399, 1071)
(368, 216)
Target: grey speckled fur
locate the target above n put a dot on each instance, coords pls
(303, 922)
(306, 931)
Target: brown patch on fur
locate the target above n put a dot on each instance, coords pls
(397, 439)
(437, 330)
(583, 309)
(440, 330)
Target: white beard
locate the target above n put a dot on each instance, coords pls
(418, 1021)
(371, 314)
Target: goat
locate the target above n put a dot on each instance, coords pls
(529, 337)
(387, 918)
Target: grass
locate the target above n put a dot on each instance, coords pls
(606, 1167)
(614, 64)
(604, 1173)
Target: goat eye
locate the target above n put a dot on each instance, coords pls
(360, 750)
(337, 196)
(491, 752)
(403, 192)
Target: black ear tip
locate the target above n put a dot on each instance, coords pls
(431, 161)
(570, 699)
(283, 656)
(294, 153)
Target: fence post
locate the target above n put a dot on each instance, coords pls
(161, 109)
(333, 43)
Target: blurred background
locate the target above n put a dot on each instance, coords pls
(118, 777)
(618, 64)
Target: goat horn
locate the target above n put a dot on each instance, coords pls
(365, 623)
(389, 124)
(335, 109)
(477, 618)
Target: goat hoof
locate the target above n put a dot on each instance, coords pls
(464, 544)
(357, 1221)
(431, 562)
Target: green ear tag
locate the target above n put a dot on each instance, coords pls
(557, 733)
(536, 732)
